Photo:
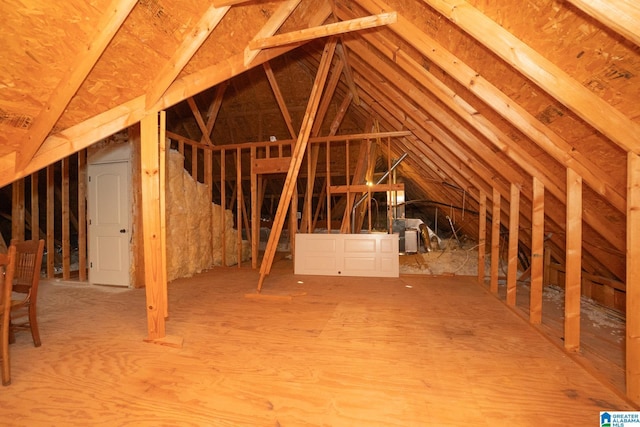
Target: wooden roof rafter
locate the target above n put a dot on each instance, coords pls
(273, 24)
(466, 112)
(510, 110)
(342, 53)
(622, 16)
(552, 79)
(79, 69)
(214, 109)
(279, 98)
(195, 38)
(77, 137)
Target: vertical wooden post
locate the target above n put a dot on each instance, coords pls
(51, 245)
(482, 236)
(255, 213)
(573, 262)
(151, 226)
(82, 215)
(162, 162)
(239, 204)
(514, 234)
(328, 185)
(35, 207)
(495, 241)
(17, 210)
(633, 278)
(537, 251)
(194, 162)
(66, 244)
(223, 205)
(208, 171)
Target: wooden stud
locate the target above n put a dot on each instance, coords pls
(495, 241)
(151, 225)
(82, 215)
(537, 252)
(17, 210)
(51, 245)
(633, 279)
(328, 184)
(162, 162)
(66, 243)
(514, 234)
(238, 159)
(573, 262)
(482, 236)
(223, 204)
(35, 207)
(255, 214)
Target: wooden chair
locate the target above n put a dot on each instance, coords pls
(7, 267)
(26, 280)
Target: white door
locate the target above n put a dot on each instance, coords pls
(109, 223)
(366, 255)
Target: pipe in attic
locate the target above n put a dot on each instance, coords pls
(364, 196)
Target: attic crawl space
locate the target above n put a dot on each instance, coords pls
(514, 125)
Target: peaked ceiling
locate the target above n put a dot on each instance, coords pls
(494, 93)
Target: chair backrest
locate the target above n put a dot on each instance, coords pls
(28, 264)
(7, 270)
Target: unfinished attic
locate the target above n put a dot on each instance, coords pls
(160, 144)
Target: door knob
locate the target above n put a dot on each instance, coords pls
(123, 230)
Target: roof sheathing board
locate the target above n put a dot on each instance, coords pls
(39, 40)
(147, 39)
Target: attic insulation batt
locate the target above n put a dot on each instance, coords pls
(194, 229)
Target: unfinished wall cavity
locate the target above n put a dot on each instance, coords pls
(194, 227)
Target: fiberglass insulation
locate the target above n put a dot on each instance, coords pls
(194, 229)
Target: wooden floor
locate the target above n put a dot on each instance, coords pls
(314, 351)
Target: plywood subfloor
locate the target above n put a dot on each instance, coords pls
(413, 351)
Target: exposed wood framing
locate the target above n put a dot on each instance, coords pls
(559, 149)
(297, 155)
(495, 241)
(555, 81)
(66, 244)
(82, 215)
(270, 28)
(152, 228)
(537, 252)
(279, 98)
(482, 236)
(325, 30)
(622, 16)
(633, 279)
(191, 43)
(573, 279)
(514, 234)
(50, 244)
(17, 210)
(79, 68)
